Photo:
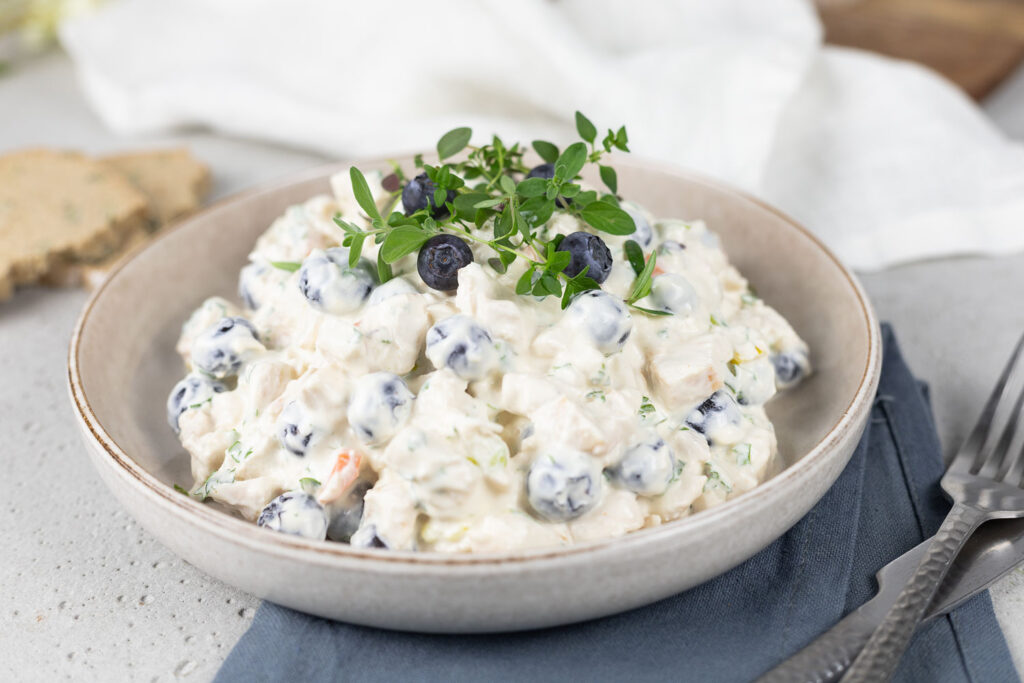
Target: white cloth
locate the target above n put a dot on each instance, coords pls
(884, 160)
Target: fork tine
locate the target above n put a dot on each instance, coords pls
(970, 453)
(998, 460)
(1015, 472)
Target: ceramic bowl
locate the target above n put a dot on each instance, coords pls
(122, 365)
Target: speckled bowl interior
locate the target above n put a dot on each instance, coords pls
(122, 365)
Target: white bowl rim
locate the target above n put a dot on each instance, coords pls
(239, 531)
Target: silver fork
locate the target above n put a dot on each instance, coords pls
(984, 481)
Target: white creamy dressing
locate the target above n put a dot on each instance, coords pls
(481, 418)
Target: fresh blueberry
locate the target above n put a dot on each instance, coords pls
(396, 286)
(589, 251)
(330, 285)
(790, 367)
(673, 293)
(347, 513)
(604, 317)
(296, 513)
(220, 350)
(190, 392)
(418, 193)
(440, 259)
(546, 171)
(295, 430)
(460, 343)
(246, 279)
(380, 404)
(646, 468)
(367, 537)
(670, 248)
(718, 411)
(644, 234)
(563, 486)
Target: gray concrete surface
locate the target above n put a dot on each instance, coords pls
(85, 594)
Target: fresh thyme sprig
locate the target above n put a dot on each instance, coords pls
(487, 185)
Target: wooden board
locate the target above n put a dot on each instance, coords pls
(974, 43)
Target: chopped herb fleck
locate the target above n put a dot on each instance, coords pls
(714, 479)
(646, 407)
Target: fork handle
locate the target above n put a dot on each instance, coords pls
(879, 658)
(825, 659)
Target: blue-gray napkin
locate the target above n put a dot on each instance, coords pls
(731, 628)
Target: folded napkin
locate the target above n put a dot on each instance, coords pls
(731, 628)
(885, 160)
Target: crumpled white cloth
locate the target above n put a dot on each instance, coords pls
(885, 160)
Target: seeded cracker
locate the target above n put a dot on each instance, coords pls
(174, 183)
(60, 205)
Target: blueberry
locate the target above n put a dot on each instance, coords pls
(246, 278)
(586, 250)
(330, 285)
(440, 259)
(460, 343)
(296, 513)
(673, 293)
(717, 411)
(394, 287)
(790, 367)
(646, 468)
(604, 317)
(546, 171)
(347, 513)
(190, 392)
(644, 234)
(379, 404)
(418, 193)
(670, 248)
(367, 537)
(220, 350)
(295, 430)
(563, 486)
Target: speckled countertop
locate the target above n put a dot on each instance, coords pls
(85, 594)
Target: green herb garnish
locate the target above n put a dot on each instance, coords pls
(489, 187)
(714, 479)
(644, 278)
(635, 256)
(646, 407)
(290, 266)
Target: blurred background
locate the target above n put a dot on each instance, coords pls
(859, 117)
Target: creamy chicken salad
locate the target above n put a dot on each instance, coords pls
(445, 409)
